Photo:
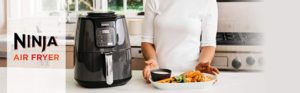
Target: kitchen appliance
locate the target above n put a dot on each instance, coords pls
(102, 50)
(239, 51)
(239, 37)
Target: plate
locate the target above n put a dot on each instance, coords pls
(194, 85)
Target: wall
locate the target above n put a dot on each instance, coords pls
(2, 16)
(240, 16)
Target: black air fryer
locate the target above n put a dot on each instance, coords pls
(102, 51)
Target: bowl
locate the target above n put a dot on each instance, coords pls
(159, 74)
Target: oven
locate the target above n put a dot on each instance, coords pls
(239, 51)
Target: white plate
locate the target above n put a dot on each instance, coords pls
(195, 85)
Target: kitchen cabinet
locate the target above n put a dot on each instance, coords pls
(134, 25)
(3, 62)
(69, 56)
(138, 63)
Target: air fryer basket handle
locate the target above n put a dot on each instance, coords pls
(109, 69)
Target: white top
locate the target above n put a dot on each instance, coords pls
(175, 28)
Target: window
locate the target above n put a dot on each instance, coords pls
(135, 5)
(71, 5)
(35, 8)
(79, 5)
(85, 5)
(118, 6)
(115, 5)
(49, 5)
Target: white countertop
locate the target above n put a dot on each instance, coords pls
(2, 80)
(228, 82)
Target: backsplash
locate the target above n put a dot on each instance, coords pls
(240, 17)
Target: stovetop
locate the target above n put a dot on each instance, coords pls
(239, 38)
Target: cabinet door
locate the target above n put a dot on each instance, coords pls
(2, 62)
(69, 57)
(138, 64)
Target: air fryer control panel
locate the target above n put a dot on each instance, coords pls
(106, 34)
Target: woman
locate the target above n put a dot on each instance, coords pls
(179, 35)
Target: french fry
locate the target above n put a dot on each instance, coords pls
(168, 80)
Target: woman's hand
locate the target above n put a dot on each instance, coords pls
(149, 65)
(207, 68)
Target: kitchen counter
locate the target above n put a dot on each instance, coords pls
(2, 80)
(228, 82)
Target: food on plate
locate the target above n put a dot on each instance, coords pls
(187, 77)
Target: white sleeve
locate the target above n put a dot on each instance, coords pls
(148, 26)
(209, 25)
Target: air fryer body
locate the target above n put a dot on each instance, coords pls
(91, 48)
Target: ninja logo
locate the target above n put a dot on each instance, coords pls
(30, 41)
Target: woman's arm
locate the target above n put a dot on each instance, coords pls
(208, 39)
(209, 31)
(207, 54)
(148, 51)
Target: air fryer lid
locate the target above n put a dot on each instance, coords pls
(102, 14)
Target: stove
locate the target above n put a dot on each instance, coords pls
(239, 51)
(238, 38)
